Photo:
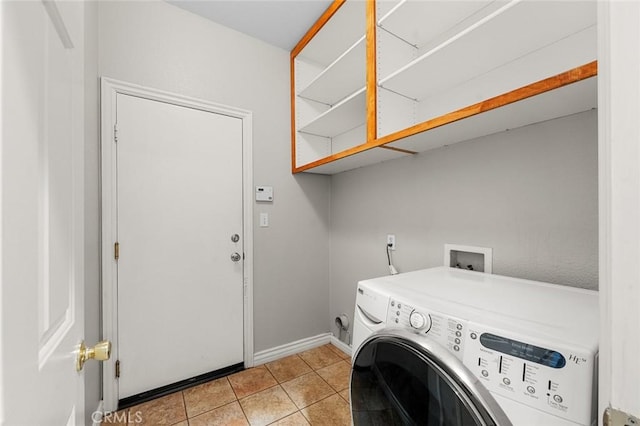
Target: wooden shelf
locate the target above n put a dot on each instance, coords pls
(344, 76)
(339, 163)
(328, 79)
(572, 99)
(396, 110)
(483, 48)
(453, 71)
(344, 116)
(564, 94)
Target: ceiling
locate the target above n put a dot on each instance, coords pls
(281, 23)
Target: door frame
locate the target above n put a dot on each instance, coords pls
(619, 206)
(110, 88)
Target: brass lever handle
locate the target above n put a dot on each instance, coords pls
(100, 352)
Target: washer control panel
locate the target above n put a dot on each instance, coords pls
(555, 380)
(446, 330)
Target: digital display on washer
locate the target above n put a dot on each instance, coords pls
(522, 350)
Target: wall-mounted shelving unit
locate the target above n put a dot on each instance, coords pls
(440, 72)
(328, 84)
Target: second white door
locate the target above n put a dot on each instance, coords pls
(179, 205)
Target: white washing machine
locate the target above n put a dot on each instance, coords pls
(445, 346)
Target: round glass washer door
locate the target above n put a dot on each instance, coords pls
(401, 378)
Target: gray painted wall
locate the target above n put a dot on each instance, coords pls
(531, 194)
(158, 45)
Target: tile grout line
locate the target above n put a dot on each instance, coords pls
(215, 408)
(301, 408)
(334, 351)
(184, 404)
(243, 412)
(232, 389)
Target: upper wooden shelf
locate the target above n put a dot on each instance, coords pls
(568, 93)
(513, 31)
(426, 23)
(436, 73)
(492, 116)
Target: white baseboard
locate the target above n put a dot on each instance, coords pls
(95, 418)
(341, 345)
(292, 348)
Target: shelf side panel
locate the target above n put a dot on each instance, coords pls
(343, 117)
(345, 27)
(311, 148)
(306, 72)
(354, 137)
(392, 53)
(343, 77)
(307, 110)
(395, 112)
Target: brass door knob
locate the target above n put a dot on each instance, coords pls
(100, 352)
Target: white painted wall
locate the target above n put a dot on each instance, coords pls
(158, 45)
(93, 334)
(531, 194)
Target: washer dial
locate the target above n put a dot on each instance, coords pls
(419, 321)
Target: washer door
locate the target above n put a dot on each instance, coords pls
(401, 378)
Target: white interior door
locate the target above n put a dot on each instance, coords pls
(41, 235)
(179, 202)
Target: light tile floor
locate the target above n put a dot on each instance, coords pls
(311, 387)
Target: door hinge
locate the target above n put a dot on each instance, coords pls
(116, 250)
(117, 369)
(115, 133)
(614, 417)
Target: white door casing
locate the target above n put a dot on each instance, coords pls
(619, 205)
(128, 97)
(42, 126)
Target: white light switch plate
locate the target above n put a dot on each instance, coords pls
(264, 220)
